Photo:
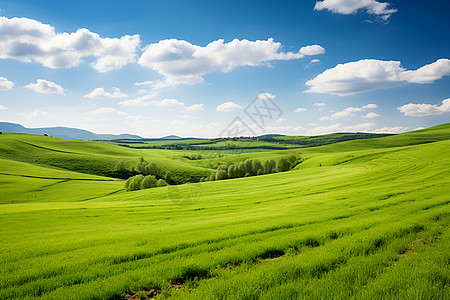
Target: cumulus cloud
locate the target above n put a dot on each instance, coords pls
(349, 112)
(140, 101)
(169, 103)
(107, 111)
(348, 7)
(320, 105)
(5, 84)
(312, 50)
(370, 74)
(228, 106)
(28, 40)
(364, 127)
(3, 107)
(280, 120)
(195, 107)
(266, 96)
(181, 62)
(398, 129)
(300, 109)
(369, 106)
(100, 93)
(338, 115)
(45, 87)
(371, 115)
(419, 110)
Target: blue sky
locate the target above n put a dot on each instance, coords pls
(190, 68)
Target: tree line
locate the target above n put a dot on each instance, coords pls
(146, 175)
(253, 167)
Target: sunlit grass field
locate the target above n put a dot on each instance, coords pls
(366, 219)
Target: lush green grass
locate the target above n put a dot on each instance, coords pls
(88, 157)
(362, 219)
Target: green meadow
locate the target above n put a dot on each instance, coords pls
(366, 218)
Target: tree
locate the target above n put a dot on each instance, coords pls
(153, 168)
(128, 183)
(149, 181)
(120, 169)
(169, 178)
(248, 163)
(231, 171)
(239, 170)
(221, 174)
(283, 164)
(212, 177)
(161, 182)
(269, 166)
(256, 166)
(135, 183)
(140, 167)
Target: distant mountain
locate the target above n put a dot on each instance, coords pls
(171, 137)
(64, 132)
(271, 135)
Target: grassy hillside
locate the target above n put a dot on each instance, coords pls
(364, 219)
(87, 157)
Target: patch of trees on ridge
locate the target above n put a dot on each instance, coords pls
(149, 174)
(253, 167)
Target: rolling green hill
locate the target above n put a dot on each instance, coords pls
(364, 219)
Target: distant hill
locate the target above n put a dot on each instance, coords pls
(171, 137)
(64, 132)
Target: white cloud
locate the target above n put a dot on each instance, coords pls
(298, 128)
(266, 96)
(195, 107)
(364, 127)
(312, 50)
(321, 106)
(371, 115)
(3, 107)
(228, 106)
(142, 91)
(419, 110)
(140, 101)
(165, 103)
(100, 93)
(348, 7)
(280, 120)
(428, 73)
(338, 115)
(5, 84)
(45, 87)
(353, 109)
(313, 61)
(35, 114)
(107, 111)
(169, 103)
(370, 74)
(312, 124)
(28, 40)
(348, 113)
(147, 83)
(398, 129)
(300, 109)
(370, 105)
(181, 62)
